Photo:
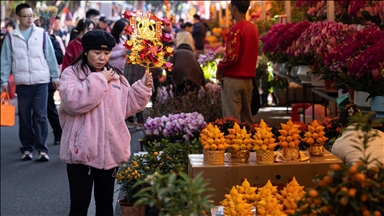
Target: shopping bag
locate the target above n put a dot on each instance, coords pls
(7, 111)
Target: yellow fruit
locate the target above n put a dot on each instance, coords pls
(292, 144)
(319, 140)
(296, 136)
(207, 147)
(310, 141)
(322, 133)
(308, 134)
(210, 141)
(249, 147)
(213, 147)
(283, 132)
(243, 147)
(266, 141)
(289, 138)
(264, 147)
(272, 146)
(315, 123)
(284, 144)
(311, 128)
(236, 147)
(297, 142)
(282, 138)
(220, 147)
(256, 148)
(245, 184)
(319, 129)
(315, 135)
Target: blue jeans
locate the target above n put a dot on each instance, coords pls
(33, 122)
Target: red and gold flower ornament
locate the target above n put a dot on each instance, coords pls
(146, 40)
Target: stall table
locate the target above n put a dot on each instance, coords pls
(223, 177)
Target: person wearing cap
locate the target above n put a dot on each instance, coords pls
(95, 100)
(103, 24)
(344, 146)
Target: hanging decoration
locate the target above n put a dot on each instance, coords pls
(146, 40)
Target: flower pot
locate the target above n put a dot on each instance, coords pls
(351, 95)
(328, 86)
(215, 157)
(377, 104)
(360, 99)
(316, 80)
(302, 73)
(265, 157)
(282, 68)
(340, 93)
(295, 69)
(233, 153)
(243, 156)
(316, 150)
(126, 209)
(290, 154)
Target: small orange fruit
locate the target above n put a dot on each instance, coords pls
(313, 193)
(155, 154)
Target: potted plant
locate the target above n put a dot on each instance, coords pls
(174, 194)
(134, 170)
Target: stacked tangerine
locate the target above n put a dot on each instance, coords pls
(315, 134)
(239, 139)
(264, 138)
(290, 135)
(290, 195)
(266, 202)
(212, 138)
(239, 200)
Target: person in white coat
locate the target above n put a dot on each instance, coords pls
(344, 147)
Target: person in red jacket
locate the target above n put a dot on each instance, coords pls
(75, 47)
(238, 67)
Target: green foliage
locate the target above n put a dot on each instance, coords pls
(173, 194)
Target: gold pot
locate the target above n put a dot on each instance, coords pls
(265, 157)
(243, 156)
(215, 157)
(316, 150)
(290, 154)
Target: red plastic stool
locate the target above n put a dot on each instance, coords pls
(295, 107)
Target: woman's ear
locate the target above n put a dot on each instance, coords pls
(86, 53)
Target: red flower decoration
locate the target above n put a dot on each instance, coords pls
(129, 30)
(127, 14)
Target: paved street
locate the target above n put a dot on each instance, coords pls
(31, 188)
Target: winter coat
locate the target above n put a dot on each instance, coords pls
(92, 115)
(185, 66)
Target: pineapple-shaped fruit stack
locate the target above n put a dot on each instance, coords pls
(212, 138)
(289, 140)
(290, 195)
(290, 135)
(239, 199)
(315, 134)
(266, 202)
(264, 138)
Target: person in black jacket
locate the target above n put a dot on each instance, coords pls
(53, 115)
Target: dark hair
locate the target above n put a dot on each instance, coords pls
(242, 6)
(21, 7)
(82, 25)
(57, 17)
(181, 20)
(92, 13)
(8, 19)
(84, 63)
(117, 28)
(348, 111)
(187, 24)
(12, 24)
(196, 16)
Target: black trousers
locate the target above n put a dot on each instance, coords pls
(53, 116)
(81, 179)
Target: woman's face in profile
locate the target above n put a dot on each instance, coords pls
(98, 58)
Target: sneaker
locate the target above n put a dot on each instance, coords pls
(43, 156)
(27, 155)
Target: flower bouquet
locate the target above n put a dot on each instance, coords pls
(146, 40)
(46, 15)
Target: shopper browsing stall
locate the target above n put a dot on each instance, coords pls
(95, 100)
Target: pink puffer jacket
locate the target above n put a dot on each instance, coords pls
(92, 115)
